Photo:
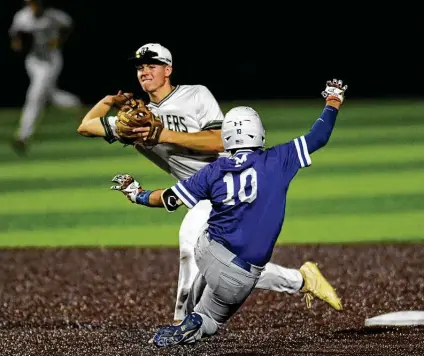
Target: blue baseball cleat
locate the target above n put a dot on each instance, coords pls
(179, 334)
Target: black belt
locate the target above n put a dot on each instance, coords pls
(241, 263)
(236, 260)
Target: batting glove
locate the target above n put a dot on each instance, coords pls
(127, 185)
(334, 90)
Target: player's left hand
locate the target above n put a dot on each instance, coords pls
(127, 185)
(335, 90)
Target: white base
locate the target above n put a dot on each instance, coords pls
(414, 317)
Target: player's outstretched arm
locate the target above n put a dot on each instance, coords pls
(135, 193)
(160, 198)
(207, 141)
(188, 192)
(91, 125)
(320, 132)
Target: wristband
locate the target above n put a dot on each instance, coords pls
(142, 198)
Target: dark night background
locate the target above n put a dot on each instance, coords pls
(249, 52)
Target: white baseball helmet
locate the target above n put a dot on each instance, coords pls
(242, 128)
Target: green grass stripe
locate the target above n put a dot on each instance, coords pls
(78, 147)
(53, 117)
(149, 179)
(65, 200)
(307, 187)
(348, 137)
(35, 169)
(65, 150)
(77, 168)
(377, 154)
(296, 124)
(335, 171)
(319, 230)
(288, 130)
(95, 181)
(353, 228)
(356, 205)
(275, 114)
(162, 235)
(353, 134)
(331, 154)
(353, 114)
(143, 216)
(302, 119)
(137, 216)
(302, 187)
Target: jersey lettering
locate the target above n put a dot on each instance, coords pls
(187, 109)
(173, 122)
(240, 160)
(243, 196)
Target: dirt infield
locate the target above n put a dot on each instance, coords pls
(110, 301)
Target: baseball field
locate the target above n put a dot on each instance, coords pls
(84, 270)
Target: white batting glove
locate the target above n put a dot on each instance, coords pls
(127, 185)
(334, 90)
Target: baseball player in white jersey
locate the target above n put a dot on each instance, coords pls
(47, 29)
(191, 139)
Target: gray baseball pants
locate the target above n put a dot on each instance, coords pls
(222, 285)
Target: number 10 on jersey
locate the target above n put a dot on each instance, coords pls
(243, 177)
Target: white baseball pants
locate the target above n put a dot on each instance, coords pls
(43, 77)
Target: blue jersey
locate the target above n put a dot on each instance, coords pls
(248, 194)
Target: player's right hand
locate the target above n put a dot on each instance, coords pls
(335, 90)
(127, 185)
(119, 100)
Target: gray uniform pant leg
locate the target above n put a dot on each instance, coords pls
(226, 285)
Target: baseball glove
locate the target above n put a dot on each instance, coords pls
(133, 114)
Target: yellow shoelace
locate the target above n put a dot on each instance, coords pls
(308, 299)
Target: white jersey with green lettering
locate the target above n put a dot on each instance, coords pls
(188, 108)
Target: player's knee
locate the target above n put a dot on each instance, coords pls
(213, 328)
(33, 98)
